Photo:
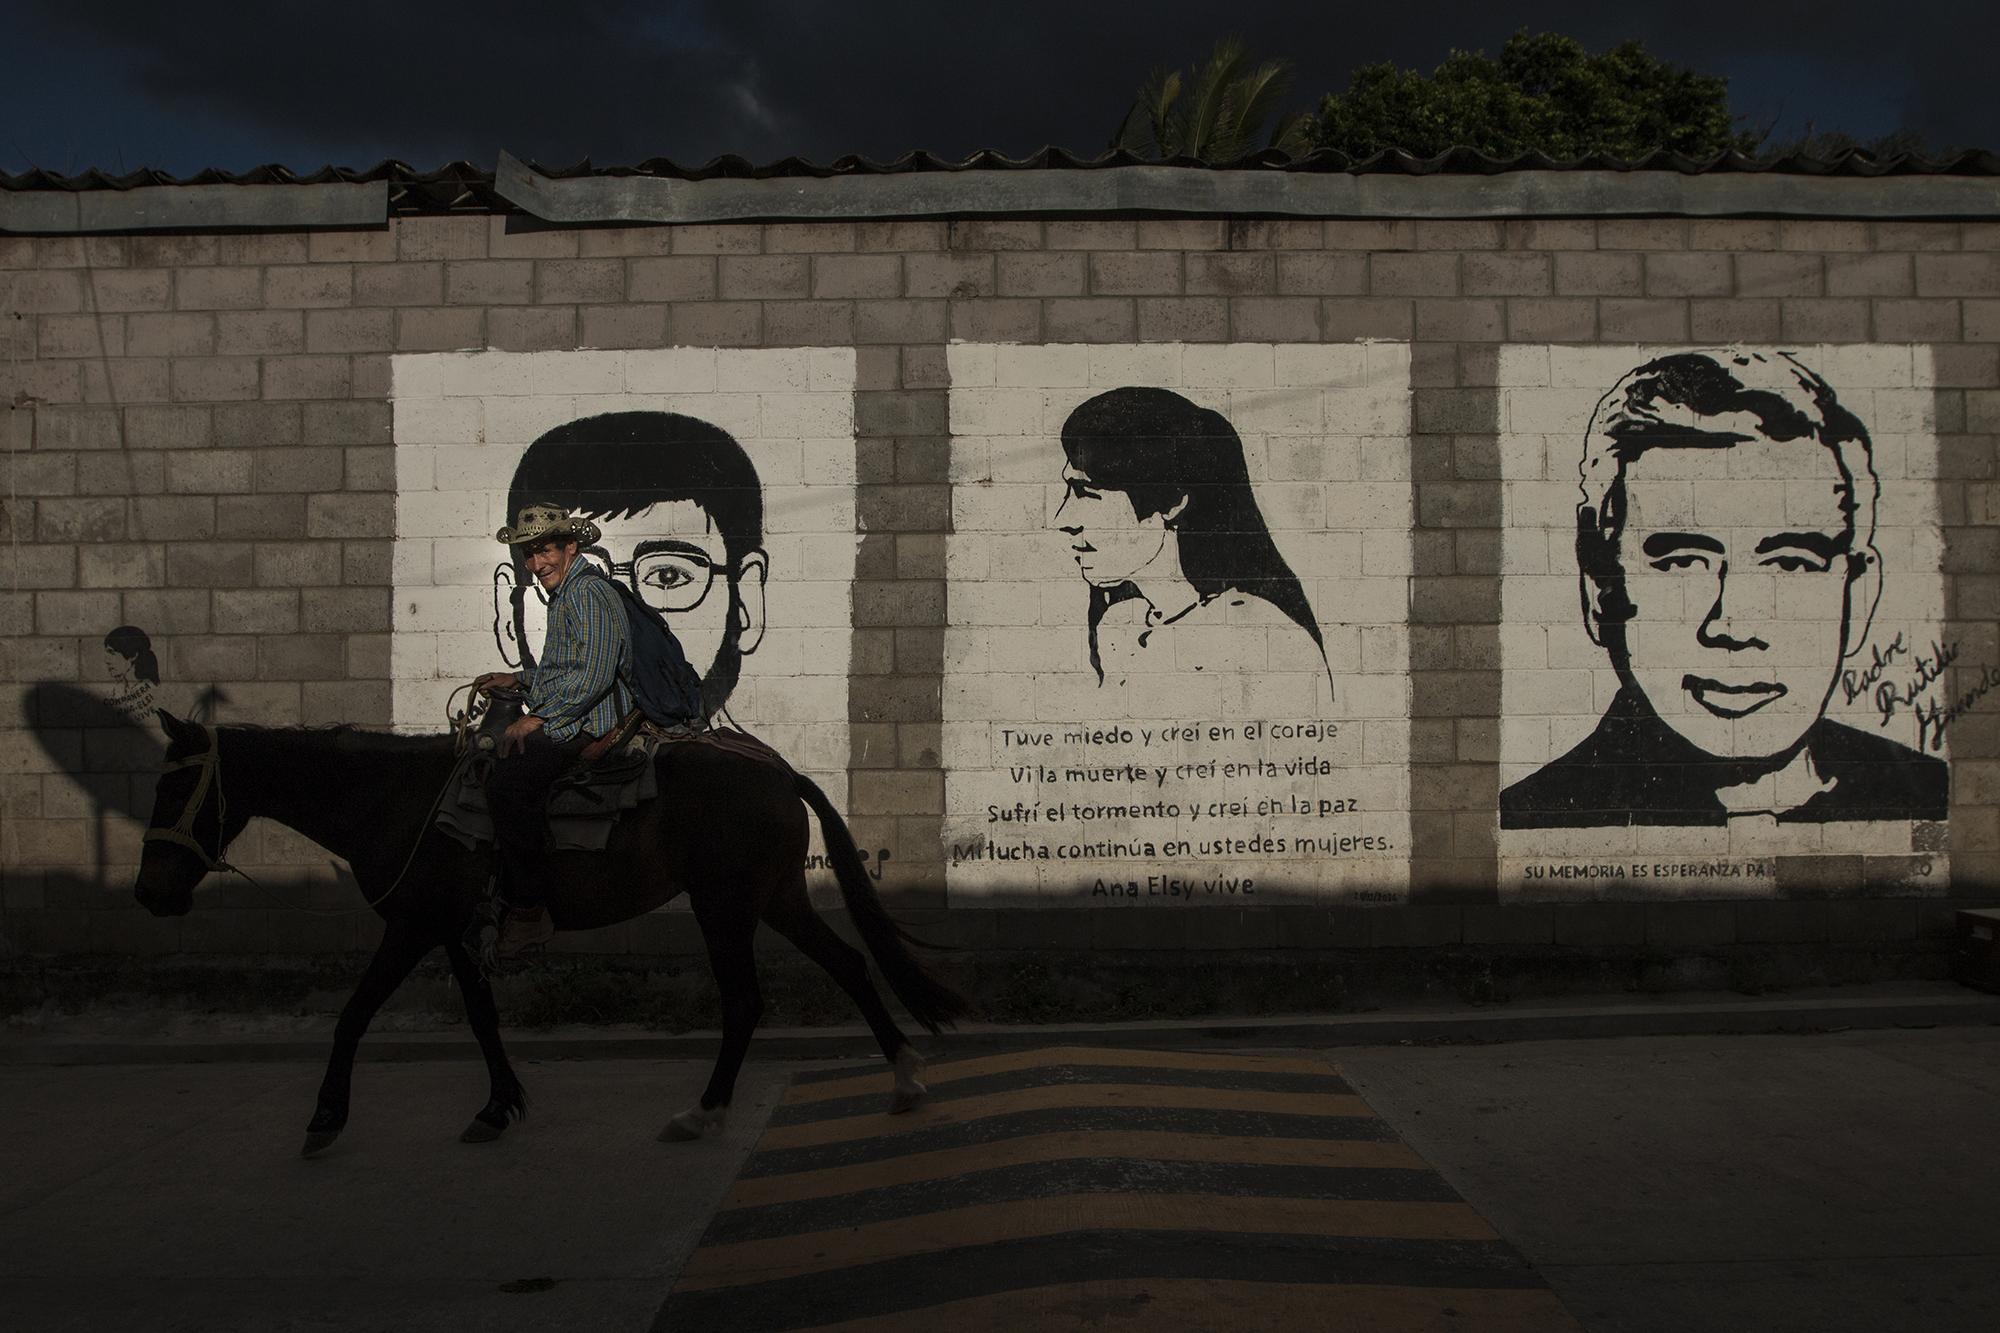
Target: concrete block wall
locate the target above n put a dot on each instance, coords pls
(199, 441)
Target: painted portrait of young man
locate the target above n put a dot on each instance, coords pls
(681, 516)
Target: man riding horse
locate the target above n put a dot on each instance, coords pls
(576, 693)
(734, 841)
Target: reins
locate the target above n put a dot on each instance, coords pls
(209, 761)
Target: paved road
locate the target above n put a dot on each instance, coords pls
(173, 1197)
(1085, 1188)
(1833, 1182)
(1848, 1181)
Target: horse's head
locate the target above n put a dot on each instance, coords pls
(191, 824)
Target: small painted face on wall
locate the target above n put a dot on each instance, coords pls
(1741, 590)
(672, 555)
(117, 666)
(1109, 540)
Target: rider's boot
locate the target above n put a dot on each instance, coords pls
(524, 928)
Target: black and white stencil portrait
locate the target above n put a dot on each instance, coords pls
(1176, 658)
(1746, 575)
(722, 484)
(1166, 532)
(134, 670)
(680, 513)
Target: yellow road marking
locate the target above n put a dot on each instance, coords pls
(1081, 1097)
(1142, 1145)
(879, 1080)
(929, 1233)
(1190, 1305)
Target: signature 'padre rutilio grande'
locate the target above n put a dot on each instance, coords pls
(1728, 637)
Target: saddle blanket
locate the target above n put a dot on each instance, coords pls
(584, 802)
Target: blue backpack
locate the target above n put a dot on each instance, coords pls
(664, 687)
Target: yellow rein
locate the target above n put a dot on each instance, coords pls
(182, 833)
(209, 761)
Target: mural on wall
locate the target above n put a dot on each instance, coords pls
(98, 754)
(1176, 657)
(1708, 576)
(134, 670)
(1166, 532)
(722, 481)
(679, 508)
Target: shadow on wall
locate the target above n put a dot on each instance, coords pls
(109, 746)
(113, 757)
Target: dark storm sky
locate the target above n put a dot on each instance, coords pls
(187, 84)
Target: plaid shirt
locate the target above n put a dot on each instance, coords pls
(578, 680)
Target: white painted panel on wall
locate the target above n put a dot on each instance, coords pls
(723, 480)
(1176, 658)
(1721, 608)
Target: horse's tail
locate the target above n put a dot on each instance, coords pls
(929, 1000)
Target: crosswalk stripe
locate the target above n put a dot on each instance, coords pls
(753, 1191)
(787, 1256)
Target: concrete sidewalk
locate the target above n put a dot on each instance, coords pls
(174, 1037)
(1827, 1181)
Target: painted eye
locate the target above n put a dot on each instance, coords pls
(1796, 564)
(1688, 560)
(666, 576)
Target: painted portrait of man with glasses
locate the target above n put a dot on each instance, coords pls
(681, 515)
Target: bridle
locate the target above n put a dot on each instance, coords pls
(209, 761)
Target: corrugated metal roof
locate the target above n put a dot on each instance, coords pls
(461, 187)
(456, 187)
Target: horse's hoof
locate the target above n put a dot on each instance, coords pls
(694, 1124)
(479, 1131)
(318, 1141)
(909, 1088)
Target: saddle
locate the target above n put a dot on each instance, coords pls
(616, 774)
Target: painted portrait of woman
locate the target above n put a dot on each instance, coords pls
(1165, 529)
(129, 661)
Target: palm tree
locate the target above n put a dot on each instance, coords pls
(1219, 120)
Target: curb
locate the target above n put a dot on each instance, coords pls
(1928, 1006)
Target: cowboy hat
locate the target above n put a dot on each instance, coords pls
(542, 519)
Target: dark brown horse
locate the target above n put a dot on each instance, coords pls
(729, 832)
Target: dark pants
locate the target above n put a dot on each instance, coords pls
(517, 796)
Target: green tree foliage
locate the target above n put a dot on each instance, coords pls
(1217, 114)
(1545, 93)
